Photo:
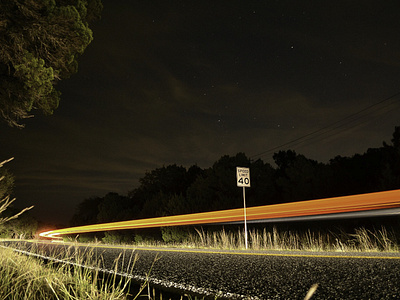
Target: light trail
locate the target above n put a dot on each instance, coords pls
(311, 208)
(345, 215)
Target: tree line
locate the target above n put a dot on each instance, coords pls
(173, 189)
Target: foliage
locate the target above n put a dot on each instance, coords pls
(85, 238)
(24, 227)
(161, 186)
(86, 212)
(112, 208)
(298, 177)
(175, 234)
(40, 41)
(114, 237)
(217, 189)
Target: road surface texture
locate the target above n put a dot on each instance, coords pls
(245, 274)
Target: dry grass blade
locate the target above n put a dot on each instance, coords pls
(311, 291)
(6, 161)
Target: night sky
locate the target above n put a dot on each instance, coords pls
(186, 82)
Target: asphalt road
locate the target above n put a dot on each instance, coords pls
(249, 275)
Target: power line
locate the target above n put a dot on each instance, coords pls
(334, 129)
(327, 129)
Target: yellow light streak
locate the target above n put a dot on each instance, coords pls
(354, 203)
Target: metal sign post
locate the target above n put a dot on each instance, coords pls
(243, 180)
(245, 217)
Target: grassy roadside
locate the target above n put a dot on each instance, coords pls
(362, 240)
(29, 278)
(25, 277)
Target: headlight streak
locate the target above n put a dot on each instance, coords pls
(345, 215)
(277, 212)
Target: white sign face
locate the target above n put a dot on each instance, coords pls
(243, 176)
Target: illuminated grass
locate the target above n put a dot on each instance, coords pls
(25, 277)
(362, 240)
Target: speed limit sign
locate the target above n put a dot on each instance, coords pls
(243, 180)
(243, 177)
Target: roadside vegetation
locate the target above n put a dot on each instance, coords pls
(35, 278)
(27, 277)
(363, 240)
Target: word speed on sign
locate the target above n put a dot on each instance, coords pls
(243, 176)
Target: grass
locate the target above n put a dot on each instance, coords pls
(362, 240)
(25, 277)
(30, 278)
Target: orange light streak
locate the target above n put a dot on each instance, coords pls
(354, 203)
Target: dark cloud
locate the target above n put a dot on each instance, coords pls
(181, 82)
